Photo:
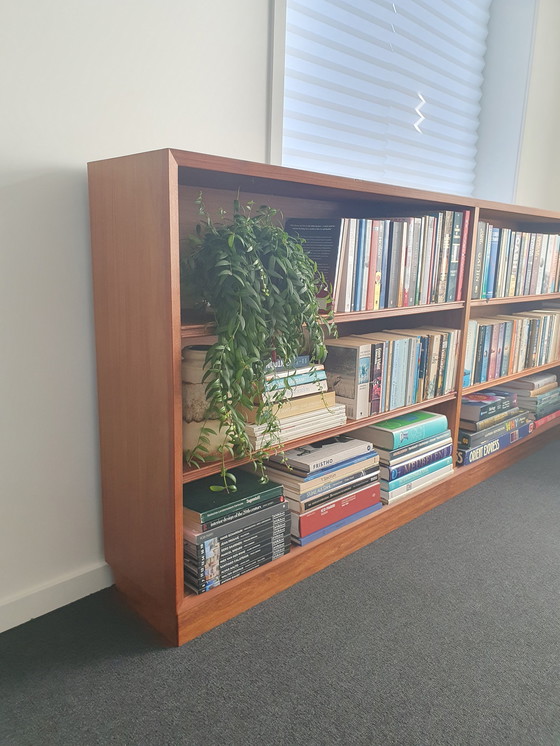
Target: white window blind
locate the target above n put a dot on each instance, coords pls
(385, 91)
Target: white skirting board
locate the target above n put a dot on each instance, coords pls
(66, 589)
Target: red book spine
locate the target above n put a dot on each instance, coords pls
(342, 507)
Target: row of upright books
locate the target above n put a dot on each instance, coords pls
(512, 263)
(506, 344)
(374, 263)
(386, 370)
(493, 419)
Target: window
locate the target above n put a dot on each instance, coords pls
(385, 91)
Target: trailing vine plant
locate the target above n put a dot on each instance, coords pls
(261, 288)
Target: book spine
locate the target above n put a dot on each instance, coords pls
(461, 292)
(249, 523)
(388, 497)
(454, 256)
(301, 389)
(389, 457)
(414, 433)
(394, 484)
(333, 511)
(471, 455)
(244, 502)
(301, 505)
(250, 510)
(468, 373)
(396, 472)
(288, 382)
(335, 526)
(470, 440)
(478, 259)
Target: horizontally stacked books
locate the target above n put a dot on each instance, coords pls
(306, 407)
(374, 263)
(491, 420)
(538, 394)
(383, 371)
(327, 485)
(509, 263)
(227, 534)
(415, 451)
(510, 343)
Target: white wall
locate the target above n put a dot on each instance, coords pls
(539, 164)
(87, 79)
(79, 81)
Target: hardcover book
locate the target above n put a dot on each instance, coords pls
(304, 524)
(335, 526)
(483, 404)
(470, 455)
(323, 454)
(409, 428)
(201, 503)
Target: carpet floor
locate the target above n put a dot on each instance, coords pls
(446, 631)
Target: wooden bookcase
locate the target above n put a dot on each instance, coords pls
(141, 207)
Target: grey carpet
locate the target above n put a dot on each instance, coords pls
(446, 631)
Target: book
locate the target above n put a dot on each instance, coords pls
(407, 451)
(194, 522)
(547, 418)
(533, 382)
(389, 473)
(394, 484)
(471, 455)
(295, 482)
(249, 523)
(279, 396)
(483, 404)
(322, 454)
(321, 240)
(308, 501)
(302, 541)
(202, 503)
(471, 426)
(294, 407)
(348, 370)
(304, 524)
(407, 490)
(291, 381)
(406, 429)
(472, 439)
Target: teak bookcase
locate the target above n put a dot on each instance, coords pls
(141, 207)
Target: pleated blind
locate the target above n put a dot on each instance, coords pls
(385, 91)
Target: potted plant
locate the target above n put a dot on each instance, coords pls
(261, 289)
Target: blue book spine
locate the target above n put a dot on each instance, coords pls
(398, 370)
(470, 455)
(290, 381)
(337, 525)
(396, 472)
(359, 271)
(507, 348)
(491, 271)
(417, 474)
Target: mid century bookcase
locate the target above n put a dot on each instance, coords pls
(141, 207)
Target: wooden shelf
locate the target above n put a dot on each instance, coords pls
(497, 382)
(478, 302)
(142, 207)
(192, 474)
(200, 613)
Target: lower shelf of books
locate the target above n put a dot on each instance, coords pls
(200, 613)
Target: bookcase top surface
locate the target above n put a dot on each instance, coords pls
(220, 172)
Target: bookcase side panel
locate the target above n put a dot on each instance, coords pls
(134, 228)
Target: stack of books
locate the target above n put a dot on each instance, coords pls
(415, 451)
(374, 263)
(490, 421)
(509, 262)
(227, 534)
(510, 343)
(303, 406)
(386, 370)
(327, 485)
(538, 394)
